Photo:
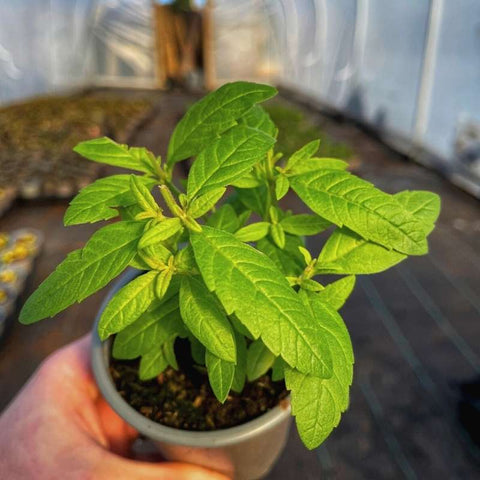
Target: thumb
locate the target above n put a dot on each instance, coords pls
(113, 466)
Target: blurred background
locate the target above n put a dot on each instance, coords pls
(391, 86)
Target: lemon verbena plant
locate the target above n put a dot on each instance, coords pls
(247, 294)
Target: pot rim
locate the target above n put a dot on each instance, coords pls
(156, 431)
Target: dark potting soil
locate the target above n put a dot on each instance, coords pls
(183, 399)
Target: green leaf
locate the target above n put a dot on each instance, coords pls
(130, 212)
(336, 293)
(151, 329)
(142, 194)
(306, 255)
(243, 217)
(278, 235)
(255, 199)
(83, 272)
(185, 260)
(241, 367)
(127, 304)
(248, 283)
(202, 204)
(303, 154)
(169, 351)
(314, 164)
(152, 364)
(278, 369)
(258, 118)
(206, 319)
(212, 115)
(163, 282)
(345, 252)
(259, 360)
(226, 160)
(281, 186)
(146, 158)
(304, 224)
(239, 327)
(289, 260)
(317, 403)
(253, 232)
(160, 232)
(249, 180)
(197, 350)
(96, 201)
(423, 205)
(105, 150)
(311, 285)
(224, 218)
(347, 200)
(220, 375)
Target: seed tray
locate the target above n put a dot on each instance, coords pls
(18, 251)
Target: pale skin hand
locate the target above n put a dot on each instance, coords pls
(60, 427)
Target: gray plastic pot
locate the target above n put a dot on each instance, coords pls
(250, 450)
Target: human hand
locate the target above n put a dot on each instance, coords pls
(59, 426)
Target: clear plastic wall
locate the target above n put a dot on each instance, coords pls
(53, 45)
(409, 69)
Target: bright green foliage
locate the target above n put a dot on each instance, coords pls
(214, 114)
(336, 293)
(238, 273)
(229, 158)
(423, 205)
(249, 180)
(258, 118)
(152, 328)
(317, 403)
(315, 164)
(259, 360)
(220, 375)
(288, 260)
(281, 186)
(205, 318)
(245, 293)
(303, 154)
(304, 224)
(278, 235)
(225, 218)
(240, 374)
(253, 232)
(84, 271)
(254, 199)
(344, 199)
(152, 364)
(98, 200)
(128, 304)
(105, 150)
(347, 253)
(162, 282)
(142, 195)
(203, 203)
(278, 369)
(160, 232)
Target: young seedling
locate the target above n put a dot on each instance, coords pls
(248, 296)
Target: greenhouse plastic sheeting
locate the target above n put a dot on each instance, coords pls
(411, 70)
(52, 45)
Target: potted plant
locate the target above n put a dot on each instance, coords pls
(218, 299)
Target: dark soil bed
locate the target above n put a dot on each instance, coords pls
(186, 401)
